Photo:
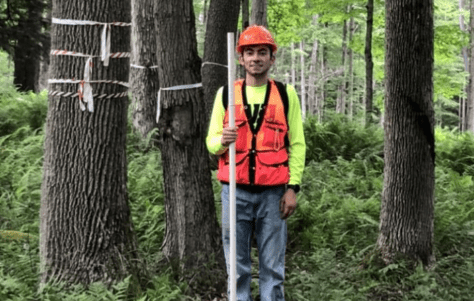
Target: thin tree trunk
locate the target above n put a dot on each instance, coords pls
(323, 79)
(350, 92)
(86, 232)
(406, 219)
(341, 104)
(469, 117)
(192, 235)
(369, 65)
(259, 12)
(312, 96)
(293, 65)
(144, 83)
(303, 88)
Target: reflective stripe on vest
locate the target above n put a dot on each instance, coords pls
(261, 153)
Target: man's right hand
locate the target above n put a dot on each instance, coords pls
(229, 135)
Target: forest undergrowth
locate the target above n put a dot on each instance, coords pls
(331, 238)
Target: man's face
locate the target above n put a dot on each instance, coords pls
(256, 60)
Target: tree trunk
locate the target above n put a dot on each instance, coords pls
(192, 235)
(303, 87)
(406, 219)
(223, 18)
(312, 96)
(341, 104)
(469, 117)
(350, 92)
(27, 52)
(369, 65)
(245, 24)
(259, 13)
(324, 93)
(245, 14)
(86, 233)
(293, 65)
(144, 84)
(45, 49)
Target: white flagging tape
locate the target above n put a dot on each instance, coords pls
(105, 37)
(114, 55)
(211, 63)
(85, 88)
(76, 81)
(182, 87)
(143, 67)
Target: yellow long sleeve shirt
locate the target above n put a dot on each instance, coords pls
(255, 98)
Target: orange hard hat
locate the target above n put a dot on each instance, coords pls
(255, 35)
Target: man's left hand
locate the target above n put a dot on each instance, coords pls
(287, 204)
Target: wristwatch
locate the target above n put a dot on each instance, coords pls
(296, 188)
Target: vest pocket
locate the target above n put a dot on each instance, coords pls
(274, 135)
(272, 168)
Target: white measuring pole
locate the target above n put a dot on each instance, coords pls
(232, 207)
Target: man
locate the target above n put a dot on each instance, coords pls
(270, 155)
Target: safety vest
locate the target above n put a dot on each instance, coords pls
(261, 149)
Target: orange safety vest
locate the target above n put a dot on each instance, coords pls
(261, 152)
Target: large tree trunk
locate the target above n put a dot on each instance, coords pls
(406, 219)
(369, 65)
(85, 225)
(223, 17)
(192, 233)
(28, 49)
(144, 84)
(259, 13)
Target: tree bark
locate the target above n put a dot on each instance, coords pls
(369, 65)
(223, 18)
(192, 235)
(86, 233)
(302, 82)
(350, 92)
(45, 49)
(144, 83)
(341, 104)
(259, 13)
(245, 14)
(27, 51)
(312, 96)
(470, 95)
(293, 65)
(406, 219)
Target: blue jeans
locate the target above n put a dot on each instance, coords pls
(260, 211)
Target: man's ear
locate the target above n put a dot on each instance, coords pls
(241, 59)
